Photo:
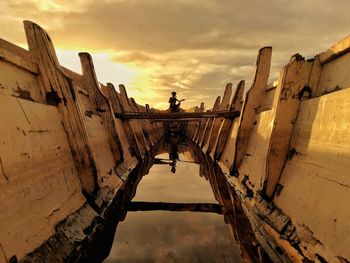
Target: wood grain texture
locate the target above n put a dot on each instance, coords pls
(252, 103)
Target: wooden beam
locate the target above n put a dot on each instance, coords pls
(341, 48)
(175, 207)
(177, 115)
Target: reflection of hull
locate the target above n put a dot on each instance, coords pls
(66, 160)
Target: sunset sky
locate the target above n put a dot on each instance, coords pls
(192, 46)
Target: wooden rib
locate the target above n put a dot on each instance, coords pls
(129, 160)
(236, 104)
(286, 105)
(201, 109)
(200, 127)
(142, 124)
(135, 126)
(53, 80)
(102, 105)
(225, 104)
(252, 104)
(209, 123)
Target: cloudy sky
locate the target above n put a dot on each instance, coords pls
(192, 46)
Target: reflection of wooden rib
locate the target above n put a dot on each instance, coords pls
(192, 207)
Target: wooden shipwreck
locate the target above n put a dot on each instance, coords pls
(68, 145)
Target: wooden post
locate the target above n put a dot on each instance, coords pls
(142, 124)
(236, 104)
(295, 76)
(59, 91)
(111, 94)
(135, 125)
(201, 109)
(252, 104)
(200, 126)
(209, 123)
(225, 104)
(102, 105)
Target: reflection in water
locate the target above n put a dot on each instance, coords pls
(153, 234)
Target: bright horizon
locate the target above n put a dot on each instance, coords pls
(155, 47)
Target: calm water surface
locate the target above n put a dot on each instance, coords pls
(168, 236)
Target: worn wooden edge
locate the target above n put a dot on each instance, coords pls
(19, 51)
(272, 85)
(335, 51)
(18, 61)
(217, 122)
(71, 74)
(236, 104)
(252, 103)
(285, 107)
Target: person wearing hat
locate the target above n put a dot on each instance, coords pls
(174, 107)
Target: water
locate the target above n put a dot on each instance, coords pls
(182, 178)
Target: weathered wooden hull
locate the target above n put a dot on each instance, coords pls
(287, 156)
(65, 158)
(63, 155)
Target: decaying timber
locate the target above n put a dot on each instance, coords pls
(69, 144)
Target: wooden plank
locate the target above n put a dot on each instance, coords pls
(252, 103)
(178, 207)
(71, 74)
(142, 124)
(127, 126)
(128, 159)
(337, 50)
(236, 104)
(200, 127)
(294, 78)
(314, 78)
(201, 109)
(18, 61)
(58, 89)
(18, 51)
(334, 76)
(148, 125)
(135, 126)
(102, 105)
(177, 115)
(190, 125)
(209, 123)
(316, 179)
(225, 104)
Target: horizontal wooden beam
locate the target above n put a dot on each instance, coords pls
(177, 207)
(177, 115)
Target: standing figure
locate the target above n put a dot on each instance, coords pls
(174, 107)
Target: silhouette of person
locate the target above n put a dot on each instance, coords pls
(174, 107)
